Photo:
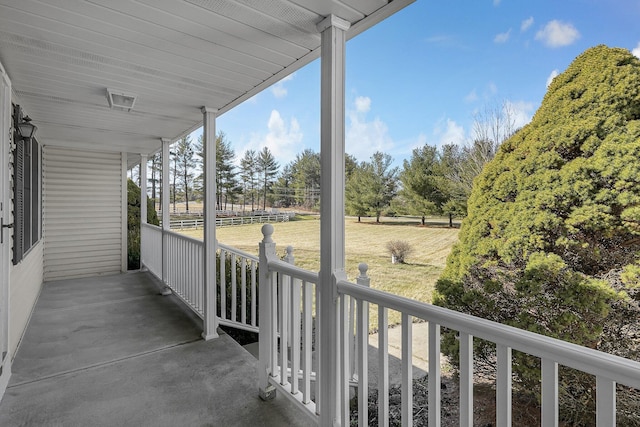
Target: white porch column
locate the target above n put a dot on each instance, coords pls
(209, 205)
(166, 226)
(332, 259)
(124, 236)
(143, 189)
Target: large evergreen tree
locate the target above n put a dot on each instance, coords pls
(268, 169)
(552, 238)
(372, 186)
(248, 174)
(421, 179)
(305, 171)
(357, 198)
(184, 168)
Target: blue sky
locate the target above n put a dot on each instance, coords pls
(423, 74)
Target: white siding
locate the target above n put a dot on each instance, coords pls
(82, 204)
(26, 283)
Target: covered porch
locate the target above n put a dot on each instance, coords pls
(111, 350)
(111, 85)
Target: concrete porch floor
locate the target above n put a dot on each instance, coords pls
(110, 351)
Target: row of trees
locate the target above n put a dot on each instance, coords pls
(433, 181)
(252, 182)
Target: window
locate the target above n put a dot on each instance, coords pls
(26, 193)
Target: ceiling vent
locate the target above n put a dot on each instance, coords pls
(121, 100)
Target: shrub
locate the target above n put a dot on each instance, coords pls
(133, 223)
(552, 219)
(399, 249)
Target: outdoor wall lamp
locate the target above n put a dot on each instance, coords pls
(26, 129)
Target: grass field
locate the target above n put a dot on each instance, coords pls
(364, 242)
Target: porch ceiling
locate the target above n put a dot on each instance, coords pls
(176, 56)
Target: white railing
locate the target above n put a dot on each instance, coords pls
(185, 269)
(183, 273)
(288, 295)
(238, 292)
(287, 313)
(607, 369)
(151, 248)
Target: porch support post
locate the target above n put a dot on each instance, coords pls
(124, 258)
(209, 135)
(143, 188)
(166, 220)
(332, 258)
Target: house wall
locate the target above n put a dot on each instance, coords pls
(25, 284)
(83, 213)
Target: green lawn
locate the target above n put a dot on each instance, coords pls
(365, 242)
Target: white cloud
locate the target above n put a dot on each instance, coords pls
(363, 104)
(636, 50)
(557, 34)
(278, 89)
(502, 37)
(283, 139)
(496, 2)
(526, 24)
(365, 136)
(449, 132)
(552, 76)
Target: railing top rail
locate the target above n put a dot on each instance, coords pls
(238, 252)
(180, 236)
(293, 271)
(619, 369)
(152, 226)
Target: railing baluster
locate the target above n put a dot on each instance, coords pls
(353, 364)
(434, 375)
(383, 367)
(407, 370)
(605, 402)
(549, 393)
(243, 290)
(318, 324)
(254, 318)
(307, 320)
(286, 291)
(362, 339)
(466, 380)
(282, 317)
(200, 289)
(295, 336)
(274, 323)
(234, 289)
(223, 284)
(344, 356)
(363, 366)
(503, 386)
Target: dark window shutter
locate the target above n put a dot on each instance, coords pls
(18, 201)
(35, 192)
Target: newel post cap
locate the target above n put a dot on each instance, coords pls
(267, 232)
(363, 267)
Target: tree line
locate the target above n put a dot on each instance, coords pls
(433, 181)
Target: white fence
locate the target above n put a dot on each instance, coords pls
(180, 224)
